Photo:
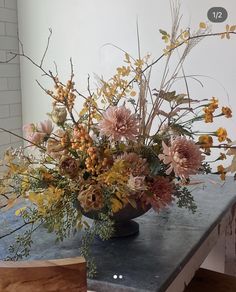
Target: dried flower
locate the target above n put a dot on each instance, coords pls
(135, 164)
(59, 115)
(221, 134)
(91, 198)
(69, 167)
(208, 116)
(54, 146)
(119, 123)
(32, 135)
(160, 193)
(226, 111)
(183, 157)
(136, 183)
(37, 133)
(213, 104)
(222, 156)
(205, 142)
(222, 171)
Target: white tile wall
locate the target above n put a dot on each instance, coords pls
(4, 83)
(8, 15)
(11, 29)
(10, 89)
(2, 28)
(13, 83)
(10, 97)
(7, 43)
(11, 4)
(9, 70)
(15, 110)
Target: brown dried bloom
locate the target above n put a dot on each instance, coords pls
(119, 123)
(54, 146)
(91, 198)
(136, 165)
(69, 167)
(183, 157)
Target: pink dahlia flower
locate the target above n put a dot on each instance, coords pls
(160, 195)
(183, 157)
(119, 123)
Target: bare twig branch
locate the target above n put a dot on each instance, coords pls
(45, 52)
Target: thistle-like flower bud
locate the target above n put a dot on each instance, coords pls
(58, 115)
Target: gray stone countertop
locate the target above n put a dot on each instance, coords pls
(150, 260)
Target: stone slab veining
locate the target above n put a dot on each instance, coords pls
(151, 260)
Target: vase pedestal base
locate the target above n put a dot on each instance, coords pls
(125, 228)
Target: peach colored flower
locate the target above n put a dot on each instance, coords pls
(36, 133)
(160, 193)
(137, 183)
(32, 135)
(45, 127)
(119, 123)
(183, 157)
(91, 198)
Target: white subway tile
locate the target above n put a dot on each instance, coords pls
(3, 55)
(4, 111)
(14, 138)
(10, 54)
(8, 43)
(11, 29)
(2, 3)
(9, 70)
(2, 28)
(13, 83)
(11, 4)
(15, 110)
(4, 138)
(10, 97)
(11, 123)
(3, 84)
(8, 15)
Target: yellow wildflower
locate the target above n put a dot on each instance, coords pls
(124, 71)
(20, 211)
(213, 104)
(221, 134)
(205, 141)
(221, 171)
(208, 117)
(226, 111)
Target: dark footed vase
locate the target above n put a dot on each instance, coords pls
(123, 224)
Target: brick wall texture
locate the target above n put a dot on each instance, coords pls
(10, 91)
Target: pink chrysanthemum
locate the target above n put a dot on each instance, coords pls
(119, 123)
(160, 193)
(183, 157)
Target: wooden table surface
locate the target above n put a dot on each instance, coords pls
(165, 254)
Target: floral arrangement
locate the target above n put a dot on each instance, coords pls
(130, 144)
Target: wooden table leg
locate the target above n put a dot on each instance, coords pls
(230, 244)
